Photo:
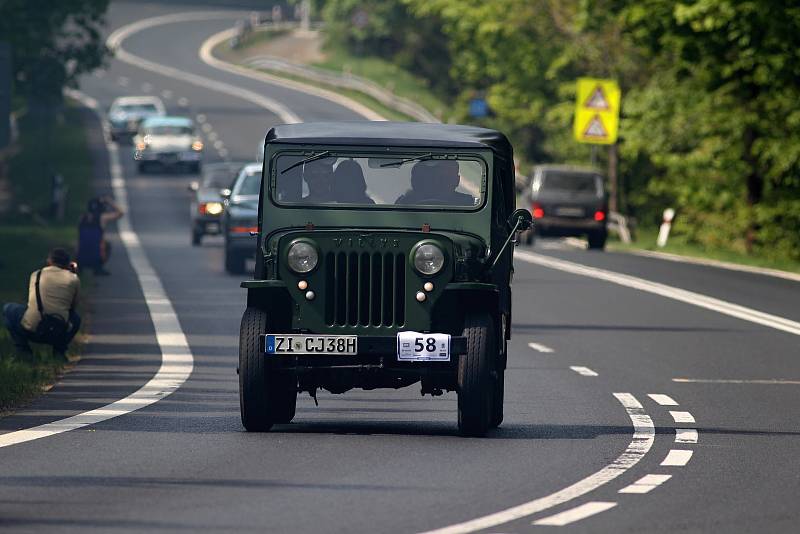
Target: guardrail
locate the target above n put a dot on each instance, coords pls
(334, 79)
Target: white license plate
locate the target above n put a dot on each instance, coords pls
(570, 212)
(419, 347)
(294, 345)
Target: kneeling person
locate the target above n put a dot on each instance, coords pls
(49, 317)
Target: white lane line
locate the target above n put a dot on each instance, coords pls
(539, 347)
(677, 458)
(206, 127)
(147, 87)
(765, 382)
(115, 40)
(641, 442)
(332, 96)
(212, 136)
(219, 144)
(646, 484)
(166, 94)
(576, 514)
(176, 357)
(682, 295)
(583, 371)
(686, 435)
(682, 417)
(183, 102)
(123, 81)
(200, 117)
(716, 263)
(223, 152)
(663, 400)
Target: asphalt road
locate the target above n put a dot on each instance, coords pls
(390, 461)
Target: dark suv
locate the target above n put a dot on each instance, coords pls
(568, 201)
(384, 259)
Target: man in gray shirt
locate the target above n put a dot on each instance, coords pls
(58, 289)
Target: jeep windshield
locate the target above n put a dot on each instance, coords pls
(369, 181)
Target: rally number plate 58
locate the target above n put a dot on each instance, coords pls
(296, 345)
(419, 347)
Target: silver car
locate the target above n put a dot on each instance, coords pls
(126, 114)
(168, 142)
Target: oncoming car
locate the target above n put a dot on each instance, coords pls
(568, 201)
(127, 112)
(168, 142)
(383, 259)
(240, 219)
(207, 202)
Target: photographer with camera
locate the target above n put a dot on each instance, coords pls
(49, 317)
(93, 249)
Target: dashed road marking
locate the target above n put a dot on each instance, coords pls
(583, 371)
(218, 144)
(183, 102)
(223, 152)
(646, 484)
(200, 117)
(576, 514)
(99, 73)
(147, 87)
(166, 94)
(641, 442)
(123, 81)
(212, 136)
(206, 127)
(686, 435)
(539, 347)
(677, 458)
(663, 400)
(682, 417)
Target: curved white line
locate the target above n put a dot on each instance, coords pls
(176, 357)
(207, 56)
(643, 437)
(116, 39)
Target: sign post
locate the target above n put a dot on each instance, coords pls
(597, 121)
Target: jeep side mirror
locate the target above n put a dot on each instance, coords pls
(225, 193)
(521, 219)
(194, 185)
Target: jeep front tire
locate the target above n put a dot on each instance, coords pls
(265, 396)
(475, 387)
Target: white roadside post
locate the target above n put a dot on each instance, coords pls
(666, 225)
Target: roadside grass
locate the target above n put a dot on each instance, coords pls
(677, 244)
(27, 235)
(387, 75)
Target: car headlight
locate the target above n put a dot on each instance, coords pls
(213, 208)
(428, 259)
(197, 146)
(302, 257)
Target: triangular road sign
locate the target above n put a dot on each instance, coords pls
(597, 100)
(595, 129)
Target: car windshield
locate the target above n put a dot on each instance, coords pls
(168, 130)
(408, 180)
(137, 108)
(249, 184)
(573, 181)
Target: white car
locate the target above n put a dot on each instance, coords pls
(168, 142)
(127, 112)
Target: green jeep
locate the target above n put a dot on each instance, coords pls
(384, 258)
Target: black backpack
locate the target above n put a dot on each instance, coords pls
(52, 328)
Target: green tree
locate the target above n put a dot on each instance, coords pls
(52, 43)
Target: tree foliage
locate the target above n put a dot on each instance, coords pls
(52, 43)
(710, 92)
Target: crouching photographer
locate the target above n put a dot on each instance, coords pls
(49, 317)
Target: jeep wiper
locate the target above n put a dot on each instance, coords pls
(399, 162)
(315, 157)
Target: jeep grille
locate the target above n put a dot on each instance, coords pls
(367, 289)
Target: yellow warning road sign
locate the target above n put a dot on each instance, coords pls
(597, 111)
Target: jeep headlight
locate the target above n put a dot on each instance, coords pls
(302, 257)
(428, 259)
